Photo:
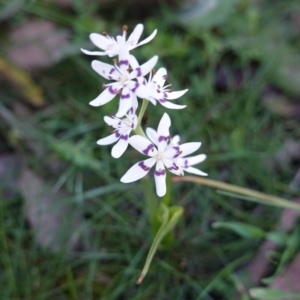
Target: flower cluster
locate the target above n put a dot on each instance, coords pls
(128, 81)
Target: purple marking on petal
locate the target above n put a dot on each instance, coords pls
(124, 137)
(126, 96)
(124, 62)
(147, 150)
(174, 167)
(112, 90)
(131, 110)
(161, 172)
(139, 72)
(110, 72)
(163, 138)
(162, 100)
(117, 134)
(135, 87)
(143, 166)
(186, 165)
(178, 151)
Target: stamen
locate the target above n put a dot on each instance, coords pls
(104, 86)
(153, 71)
(129, 69)
(104, 33)
(115, 61)
(124, 28)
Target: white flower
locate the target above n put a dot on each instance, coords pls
(163, 155)
(123, 128)
(124, 85)
(113, 47)
(154, 89)
(157, 92)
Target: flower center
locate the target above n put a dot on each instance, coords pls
(159, 156)
(126, 122)
(123, 79)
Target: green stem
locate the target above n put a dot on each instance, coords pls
(151, 204)
(139, 130)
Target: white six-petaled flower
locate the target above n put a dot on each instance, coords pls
(157, 92)
(113, 47)
(124, 83)
(122, 130)
(164, 154)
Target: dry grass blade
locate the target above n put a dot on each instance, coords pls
(255, 196)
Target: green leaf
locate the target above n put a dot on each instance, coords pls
(169, 218)
(77, 154)
(271, 294)
(279, 238)
(242, 229)
(206, 13)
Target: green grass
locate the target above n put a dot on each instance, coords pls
(238, 133)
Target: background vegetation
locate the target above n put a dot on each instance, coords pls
(70, 230)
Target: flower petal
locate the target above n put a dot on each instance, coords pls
(123, 55)
(175, 140)
(195, 159)
(103, 42)
(107, 95)
(105, 70)
(172, 166)
(144, 68)
(172, 152)
(108, 140)
(148, 39)
(160, 77)
(135, 35)
(141, 90)
(125, 102)
(133, 62)
(93, 52)
(195, 171)
(189, 148)
(143, 145)
(175, 95)
(152, 135)
(163, 134)
(160, 179)
(171, 105)
(120, 147)
(138, 170)
(114, 122)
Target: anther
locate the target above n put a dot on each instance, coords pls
(124, 28)
(104, 33)
(153, 71)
